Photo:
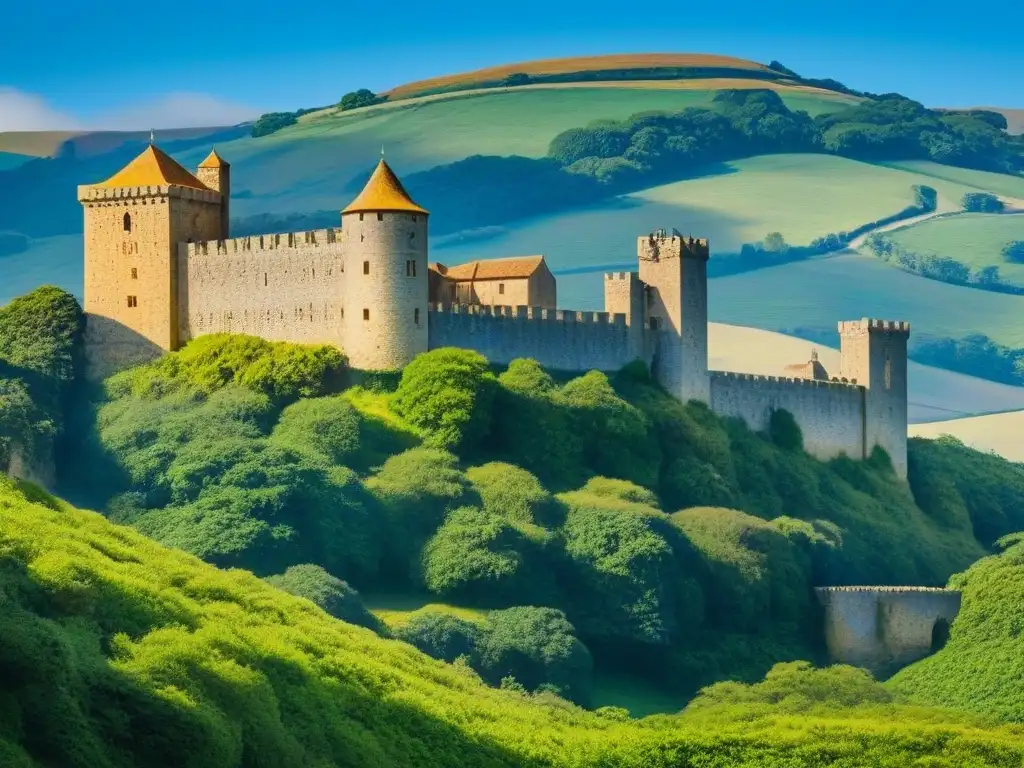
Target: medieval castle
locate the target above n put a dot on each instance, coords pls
(159, 270)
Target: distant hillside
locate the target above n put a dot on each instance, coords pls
(90, 143)
(1014, 117)
(644, 66)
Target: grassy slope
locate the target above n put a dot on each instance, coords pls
(975, 239)
(999, 432)
(120, 652)
(999, 183)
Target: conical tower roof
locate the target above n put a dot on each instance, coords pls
(213, 160)
(153, 168)
(383, 193)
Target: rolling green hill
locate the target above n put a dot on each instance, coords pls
(999, 433)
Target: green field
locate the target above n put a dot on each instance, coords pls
(801, 196)
(974, 239)
(999, 183)
(821, 291)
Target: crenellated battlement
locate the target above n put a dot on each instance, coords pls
(251, 243)
(821, 591)
(620, 276)
(90, 195)
(870, 325)
(506, 312)
(757, 378)
(661, 244)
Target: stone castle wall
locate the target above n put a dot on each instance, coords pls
(279, 287)
(557, 339)
(885, 628)
(830, 414)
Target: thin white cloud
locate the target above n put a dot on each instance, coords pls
(177, 110)
(20, 111)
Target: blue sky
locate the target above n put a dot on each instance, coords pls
(81, 64)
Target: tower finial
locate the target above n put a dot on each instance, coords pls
(152, 140)
(381, 151)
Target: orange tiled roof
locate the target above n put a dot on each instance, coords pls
(496, 269)
(153, 168)
(213, 160)
(383, 192)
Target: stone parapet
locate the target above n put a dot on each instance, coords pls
(92, 195)
(755, 378)
(250, 243)
(532, 313)
(873, 325)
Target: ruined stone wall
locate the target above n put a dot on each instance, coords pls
(279, 287)
(558, 339)
(830, 414)
(885, 628)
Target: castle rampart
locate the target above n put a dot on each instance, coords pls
(279, 287)
(830, 413)
(885, 628)
(557, 339)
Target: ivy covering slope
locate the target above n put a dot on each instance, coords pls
(120, 652)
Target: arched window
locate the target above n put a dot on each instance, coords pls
(127, 222)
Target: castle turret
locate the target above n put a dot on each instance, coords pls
(133, 223)
(874, 353)
(674, 269)
(215, 173)
(386, 289)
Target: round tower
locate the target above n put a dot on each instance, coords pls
(385, 302)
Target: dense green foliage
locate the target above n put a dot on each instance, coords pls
(981, 666)
(118, 652)
(334, 596)
(981, 202)
(363, 97)
(272, 122)
(40, 360)
(1014, 252)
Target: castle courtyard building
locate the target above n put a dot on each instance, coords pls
(160, 270)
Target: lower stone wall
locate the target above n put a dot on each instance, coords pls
(830, 414)
(885, 628)
(557, 339)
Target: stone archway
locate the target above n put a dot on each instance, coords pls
(940, 634)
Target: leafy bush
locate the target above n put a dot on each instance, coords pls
(331, 594)
(282, 371)
(981, 202)
(536, 646)
(514, 494)
(479, 559)
(447, 394)
(621, 490)
(326, 426)
(1014, 252)
(441, 635)
(361, 98)
(271, 122)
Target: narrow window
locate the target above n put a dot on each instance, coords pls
(135, 273)
(654, 323)
(314, 273)
(380, 217)
(366, 314)
(127, 222)
(888, 372)
(133, 301)
(264, 279)
(501, 288)
(416, 315)
(360, 217)
(342, 313)
(366, 267)
(414, 219)
(410, 268)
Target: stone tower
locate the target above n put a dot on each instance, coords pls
(674, 269)
(133, 223)
(874, 353)
(215, 173)
(386, 291)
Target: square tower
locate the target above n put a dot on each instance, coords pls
(624, 295)
(133, 224)
(874, 355)
(674, 271)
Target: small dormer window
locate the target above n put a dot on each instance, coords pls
(127, 222)
(380, 217)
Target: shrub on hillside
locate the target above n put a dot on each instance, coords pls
(615, 434)
(538, 647)
(282, 371)
(363, 97)
(271, 122)
(477, 558)
(514, 494)
(784, 430)
(326, 426)
(447, 394)
(1014, 252)
(628, 573)
(416, 489)
(621, 490)
(441, 635)
(533, 425)
(981, 202)
(331, 594)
